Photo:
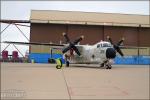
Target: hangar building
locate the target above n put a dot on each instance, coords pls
(48, 25)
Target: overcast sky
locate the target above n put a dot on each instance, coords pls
(20, 10)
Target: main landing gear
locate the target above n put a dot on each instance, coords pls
(106, 64)
(67, 63)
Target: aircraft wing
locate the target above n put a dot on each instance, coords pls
(77, 48)
(131, 47)
(34, 43)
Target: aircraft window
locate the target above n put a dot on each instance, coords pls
(106, 45)
(98, 45)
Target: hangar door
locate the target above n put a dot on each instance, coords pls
(92, 34)
(144, 37)
(116, 33)
(47, 33)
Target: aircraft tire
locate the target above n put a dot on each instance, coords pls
(58, 67)
(67, 63)
(108, 67)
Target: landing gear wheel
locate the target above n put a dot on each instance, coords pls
(108, 66)
(67, 63)
(58, 67)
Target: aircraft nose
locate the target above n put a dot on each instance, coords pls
(110, 53)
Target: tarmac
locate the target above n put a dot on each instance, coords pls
(44, 81)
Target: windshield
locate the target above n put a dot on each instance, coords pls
(106, 45)
(98, 45)
(103, 45)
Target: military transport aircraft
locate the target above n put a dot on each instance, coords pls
(101, 53)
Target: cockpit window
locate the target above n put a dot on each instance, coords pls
(106, 45)
(98, 45)
(103, 45)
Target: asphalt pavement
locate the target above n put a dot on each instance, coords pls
(44, 81)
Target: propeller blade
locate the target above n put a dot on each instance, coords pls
(66, 49)
(79, 39)
(120, 52)
(72, 45)
(76, 50)
(117, 48)
(110, 40)
(66, 38)
(121, 41)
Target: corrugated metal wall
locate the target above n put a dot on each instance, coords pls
(47, 33)
(144, 37)
(134, 36)
(116, 33)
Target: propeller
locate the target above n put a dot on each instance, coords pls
(117, 46)
(72, 45)
(67, 40)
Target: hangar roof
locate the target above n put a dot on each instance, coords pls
(89, 18)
